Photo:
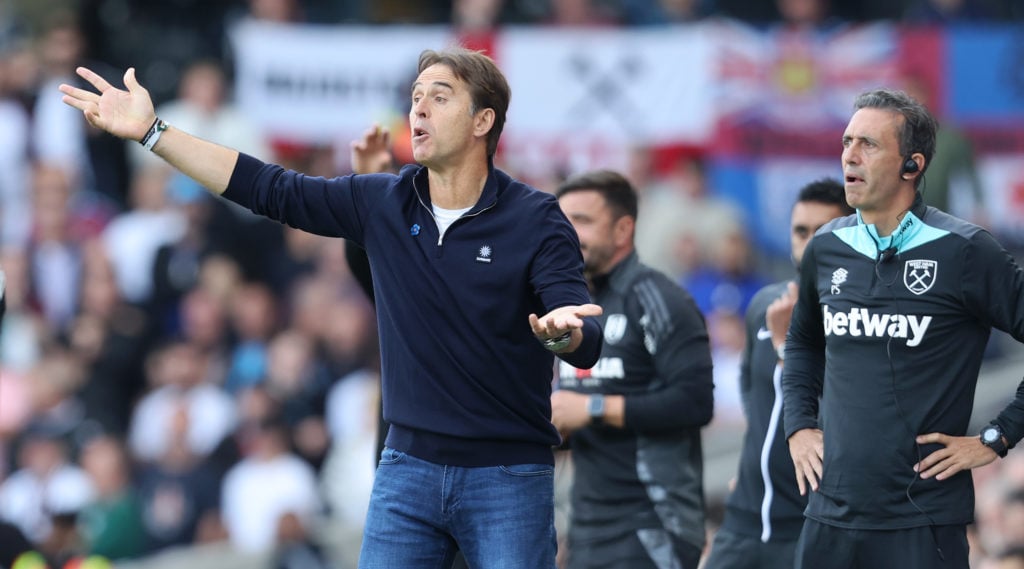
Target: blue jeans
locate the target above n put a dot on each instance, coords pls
(421, 513)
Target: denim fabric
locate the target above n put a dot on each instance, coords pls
(421, 513)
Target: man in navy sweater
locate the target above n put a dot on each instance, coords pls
(478, 281)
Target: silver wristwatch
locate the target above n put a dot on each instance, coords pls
(558, 342)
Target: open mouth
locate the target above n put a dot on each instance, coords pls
(854, 179)
(419, 133)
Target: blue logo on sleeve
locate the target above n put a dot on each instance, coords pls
(415, 229)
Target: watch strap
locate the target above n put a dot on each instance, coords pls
(595, 408)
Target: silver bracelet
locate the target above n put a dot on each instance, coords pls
(558, 342)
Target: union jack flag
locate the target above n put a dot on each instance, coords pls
(799, 79)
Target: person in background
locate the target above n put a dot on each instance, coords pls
(633, 421)
(765, 511)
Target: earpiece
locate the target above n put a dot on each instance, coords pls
(909, 167)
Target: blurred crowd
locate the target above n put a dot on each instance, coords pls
(178, 372)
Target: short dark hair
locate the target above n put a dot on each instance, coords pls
(828, 191)
(614, 187)
(488, 87)
(919, 126)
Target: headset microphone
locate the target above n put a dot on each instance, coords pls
(885, 254)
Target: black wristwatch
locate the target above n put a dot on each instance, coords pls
(992, 437)
(595, 407)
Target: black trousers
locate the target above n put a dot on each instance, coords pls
(735, 551)
(644, 549)
(822, 546)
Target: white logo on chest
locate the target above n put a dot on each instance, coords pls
(484, 254)
(861, 322)
(919, 275)
(614, 328)
(838, 278)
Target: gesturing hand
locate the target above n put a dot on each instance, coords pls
(127, 114)
(372, 153)
(778, 314)
(562, 320)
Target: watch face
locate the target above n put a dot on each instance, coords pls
(990, 435)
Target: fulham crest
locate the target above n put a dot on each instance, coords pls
(614, 328)
(919, 275)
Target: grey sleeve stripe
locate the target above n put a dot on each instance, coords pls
(653, 302)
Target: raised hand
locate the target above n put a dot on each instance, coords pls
(372, 153)
(127, 114)
(779, 313)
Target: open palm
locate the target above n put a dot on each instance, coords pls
(127, 114)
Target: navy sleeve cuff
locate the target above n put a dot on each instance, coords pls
(239, 188)
(589, 350)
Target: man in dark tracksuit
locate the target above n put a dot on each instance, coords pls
(633, 421)
(765, 511)
(896, 304)
(477, 282)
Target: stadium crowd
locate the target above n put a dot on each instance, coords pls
(182, 380)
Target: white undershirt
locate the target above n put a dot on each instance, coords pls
(445, 217)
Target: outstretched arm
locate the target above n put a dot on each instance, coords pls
(129, 114)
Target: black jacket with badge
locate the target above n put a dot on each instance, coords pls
(655, 353)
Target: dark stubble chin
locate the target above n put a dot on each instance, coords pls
(593, 261)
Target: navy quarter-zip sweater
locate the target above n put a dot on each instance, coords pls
(464, 380)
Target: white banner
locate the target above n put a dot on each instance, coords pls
(316, 83)
(1002, 177)
(580, 98)
(651, 86)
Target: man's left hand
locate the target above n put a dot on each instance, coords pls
(960, 453)
(562, 320)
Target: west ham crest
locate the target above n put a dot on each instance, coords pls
(919, 275)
